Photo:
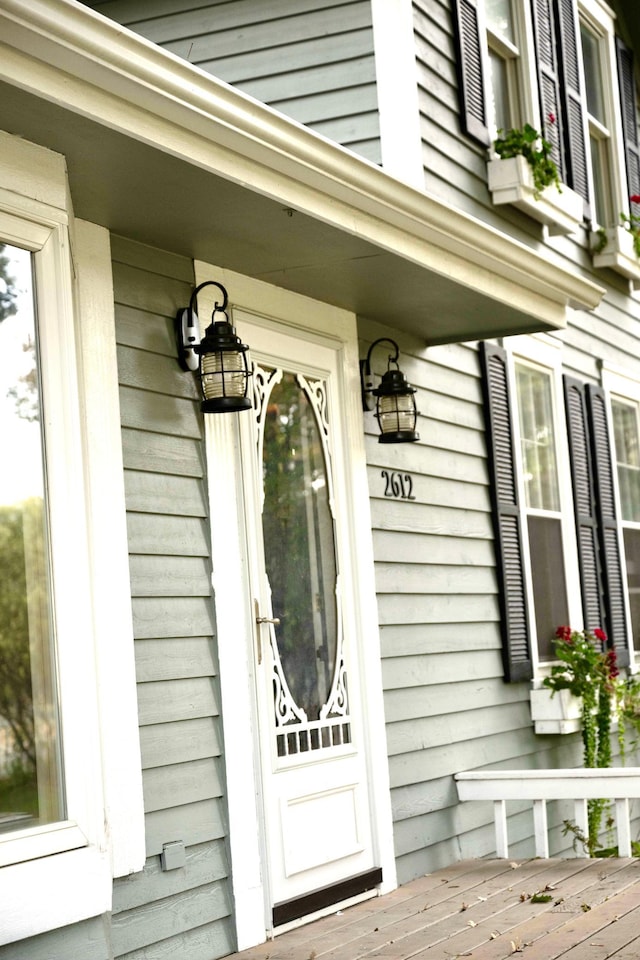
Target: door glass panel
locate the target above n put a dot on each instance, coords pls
(300, 564)
(30, 779)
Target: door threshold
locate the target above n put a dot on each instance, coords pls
(325, 900)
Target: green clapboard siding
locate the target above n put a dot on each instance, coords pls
(169, 913)
(310, 59)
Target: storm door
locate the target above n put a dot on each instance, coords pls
(316, 806)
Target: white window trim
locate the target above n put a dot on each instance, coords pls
(545, 352)
(620, 383)
(600, 17)
(524, 100)
(60, 874)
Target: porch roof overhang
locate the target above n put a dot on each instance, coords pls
(159, 151)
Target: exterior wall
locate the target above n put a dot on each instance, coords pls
(185, 911)
(447, 706)
(178, 688)
(311, 60)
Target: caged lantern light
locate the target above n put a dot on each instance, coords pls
(220, 358)
(395, 405)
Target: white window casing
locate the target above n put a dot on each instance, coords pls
(61, 873)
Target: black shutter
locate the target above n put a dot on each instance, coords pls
(584, 503)
(544, 32)
(626, 81)
(608, 530)
(470, 42)
(575, 129)
(516, 651)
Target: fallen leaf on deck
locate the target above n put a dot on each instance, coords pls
(471, 923)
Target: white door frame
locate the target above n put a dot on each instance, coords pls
(234, 605)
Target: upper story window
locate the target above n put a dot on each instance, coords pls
(553, 64)
(503, 42)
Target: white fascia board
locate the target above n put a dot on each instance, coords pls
(135, 87)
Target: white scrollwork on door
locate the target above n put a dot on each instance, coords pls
(302, 580)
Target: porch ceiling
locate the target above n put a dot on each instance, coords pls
(164, 154)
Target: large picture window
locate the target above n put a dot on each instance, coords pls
(30, 760)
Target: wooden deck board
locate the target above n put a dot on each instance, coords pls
(482, 909)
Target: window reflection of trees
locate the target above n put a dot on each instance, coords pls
(299, 545)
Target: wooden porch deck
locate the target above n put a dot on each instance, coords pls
(483, 909)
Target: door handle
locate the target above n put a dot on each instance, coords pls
(259, 620)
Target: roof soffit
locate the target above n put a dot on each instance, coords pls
(116, 89)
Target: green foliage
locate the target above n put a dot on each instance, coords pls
(7, 288)
(589, 671)
(536, 150)
(631, 222)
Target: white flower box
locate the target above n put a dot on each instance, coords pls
(511, 181)
(618, 254)
(558, 712)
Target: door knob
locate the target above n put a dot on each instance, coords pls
(274, 620)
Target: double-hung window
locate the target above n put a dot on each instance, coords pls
(558, 549)
(557, 65)
(71, 815)
(625, 417)
(532, 501)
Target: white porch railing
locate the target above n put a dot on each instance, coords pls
(618, 784)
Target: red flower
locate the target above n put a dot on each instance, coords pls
(552, 118)
(635, 198)
(564, 633)
(600, 635)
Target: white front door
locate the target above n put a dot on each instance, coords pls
(307, 778)
(313, 762)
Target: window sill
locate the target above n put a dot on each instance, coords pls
(511, 181)
(618, 253)
(557, 713)
(54, 892)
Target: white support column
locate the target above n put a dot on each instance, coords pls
(500, 819)
(623, 828)
(540, 828)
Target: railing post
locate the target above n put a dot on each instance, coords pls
(622, 827)
(540, 828)
(500, 820)
(582, 823)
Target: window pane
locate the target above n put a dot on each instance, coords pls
(500, 91)
(29, 745)
(592, 73)
(597, 148)
(625, 429)
(549, 585)
(500, 18)
(632, 556)
(537, 439)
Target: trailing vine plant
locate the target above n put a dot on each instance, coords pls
(588, 668)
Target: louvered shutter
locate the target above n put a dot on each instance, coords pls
(470, 41)
(584, 503)
(549, 79)
(626, 81)
(608, 529)
(575, 128)
(507, 520)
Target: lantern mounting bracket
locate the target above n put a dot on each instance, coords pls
(366, 374)
(188, 328)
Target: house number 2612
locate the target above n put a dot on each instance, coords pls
(399, 485)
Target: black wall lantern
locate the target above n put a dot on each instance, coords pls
(220, 357)
(395, 403)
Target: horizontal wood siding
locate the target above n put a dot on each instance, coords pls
(447, 706)
(311, 60)
(184, 912)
